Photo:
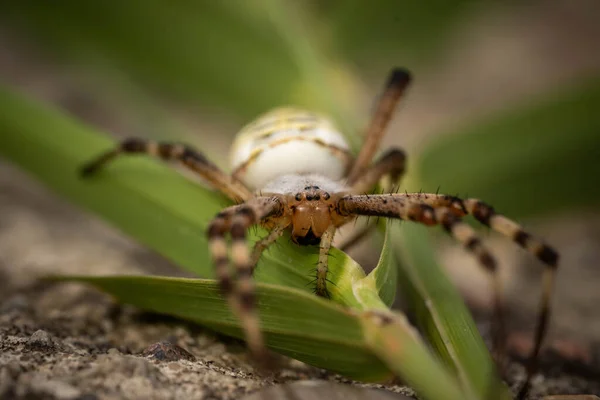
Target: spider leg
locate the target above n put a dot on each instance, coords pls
(322, 268)
(396, 85)
(265, 242)
(190, 158)
(392, 163)
(236, 220)
(401, 207)
(486, 214)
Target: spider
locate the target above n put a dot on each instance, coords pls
(293, 170)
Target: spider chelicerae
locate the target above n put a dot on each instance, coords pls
(293, 170)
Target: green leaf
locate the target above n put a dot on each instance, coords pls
(300, 325)
(532, 160)
(203, 51)
(370, 32)
(378, 289)
(442, 315)
(397, 343)
(385, 273)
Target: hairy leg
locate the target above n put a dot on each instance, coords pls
(241, 295)
(190, 158)
(265, 242)
(395, 87)
(324, 247)
(392, 163)
(397, 206)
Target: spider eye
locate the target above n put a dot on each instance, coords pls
(317, 197)
(326, 196)
(309, 197)
(298, 196)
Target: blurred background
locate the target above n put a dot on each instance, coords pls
(505, 106)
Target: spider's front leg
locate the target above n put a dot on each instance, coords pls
(392, 164)
(236, 220)
(401, 206)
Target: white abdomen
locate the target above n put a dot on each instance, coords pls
(288, 141)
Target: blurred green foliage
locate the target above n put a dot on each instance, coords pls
(390, 31)
(203, 51)
(232, 54)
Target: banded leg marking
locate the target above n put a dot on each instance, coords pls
(398, 206)
(546, 254)
(241, 296)
(402, 207)
(190, 158)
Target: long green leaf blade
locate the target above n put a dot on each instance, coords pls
(391, 337)
(299, 325)
(385, 273)
(378, 289)
(295, 323)
(442, 315)
(389, 334)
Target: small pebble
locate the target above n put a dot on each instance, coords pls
(42, 340)
(113, 352)
(167, 351)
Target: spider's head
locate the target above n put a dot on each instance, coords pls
(311, 215)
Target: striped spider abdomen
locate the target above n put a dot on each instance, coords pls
(288, 141)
